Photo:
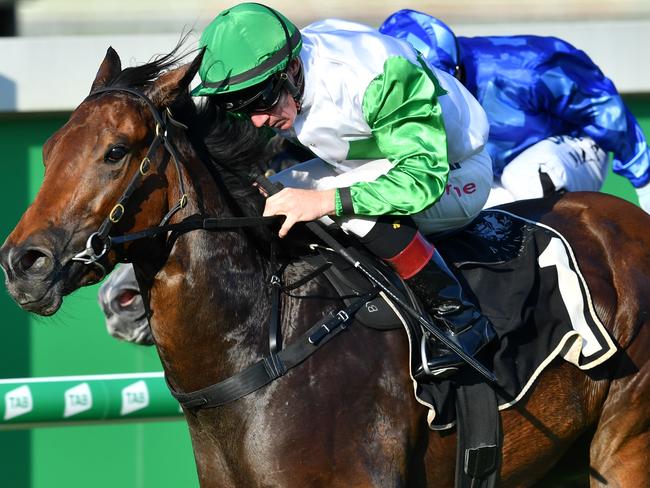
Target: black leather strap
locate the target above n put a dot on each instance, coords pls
(286, 288)
(264, 371)
(480, 437)
(548, 187)
(275, 334)
(193, 223)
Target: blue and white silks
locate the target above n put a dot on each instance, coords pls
(533, 88)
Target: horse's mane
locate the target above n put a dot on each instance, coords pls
(232, 148)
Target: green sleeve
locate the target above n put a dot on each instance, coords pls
(403, 112)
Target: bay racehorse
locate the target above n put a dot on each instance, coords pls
(347, 416)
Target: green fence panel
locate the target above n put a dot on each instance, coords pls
(34, 402)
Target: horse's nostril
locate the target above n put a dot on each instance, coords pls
(126, 298)
(34, 261)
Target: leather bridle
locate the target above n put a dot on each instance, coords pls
(99, 242)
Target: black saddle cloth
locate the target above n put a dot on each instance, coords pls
(525, 279)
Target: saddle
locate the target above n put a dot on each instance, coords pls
(508, 265)
(350, 283)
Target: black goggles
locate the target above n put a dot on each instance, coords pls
(259, 98)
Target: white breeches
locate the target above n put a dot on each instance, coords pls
(572, 164)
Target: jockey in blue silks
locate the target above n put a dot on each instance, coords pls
(553, 114)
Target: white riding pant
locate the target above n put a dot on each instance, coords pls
(465, 194)
(572, 164)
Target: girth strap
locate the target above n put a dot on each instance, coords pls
(265, 370)
(480, 436)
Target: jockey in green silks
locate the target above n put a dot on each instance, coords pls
(399, 144)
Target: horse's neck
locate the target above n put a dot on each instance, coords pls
(209, 298)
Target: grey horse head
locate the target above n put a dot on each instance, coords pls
(121, 302)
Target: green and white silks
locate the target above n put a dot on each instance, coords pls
(368, 97)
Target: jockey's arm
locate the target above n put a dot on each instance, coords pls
(400, 106)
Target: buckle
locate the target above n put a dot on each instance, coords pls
(90, 255)
(343, 317)
(275, 280)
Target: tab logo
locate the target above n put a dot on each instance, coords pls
(77, 399)
(134, 397)
(18, 402)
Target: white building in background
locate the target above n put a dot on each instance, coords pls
(50, 67)
(44, 74)
(91, 17)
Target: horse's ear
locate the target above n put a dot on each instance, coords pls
(109, 69)
(173, 83)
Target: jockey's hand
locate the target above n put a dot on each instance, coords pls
(299, 206)
(644, 197)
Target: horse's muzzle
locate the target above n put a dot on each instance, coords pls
(30, 272)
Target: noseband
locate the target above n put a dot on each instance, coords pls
(99, 242)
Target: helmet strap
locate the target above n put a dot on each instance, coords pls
(295, 85)
(294, 89)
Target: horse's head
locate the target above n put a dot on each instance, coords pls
(108, 145)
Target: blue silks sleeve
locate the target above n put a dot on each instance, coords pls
(577, 92)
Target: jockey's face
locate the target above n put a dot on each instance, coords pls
(280, 116)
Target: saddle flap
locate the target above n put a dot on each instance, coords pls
(350, 283)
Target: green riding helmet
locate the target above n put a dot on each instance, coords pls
(244, 46)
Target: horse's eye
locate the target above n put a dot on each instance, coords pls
(115, 154)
